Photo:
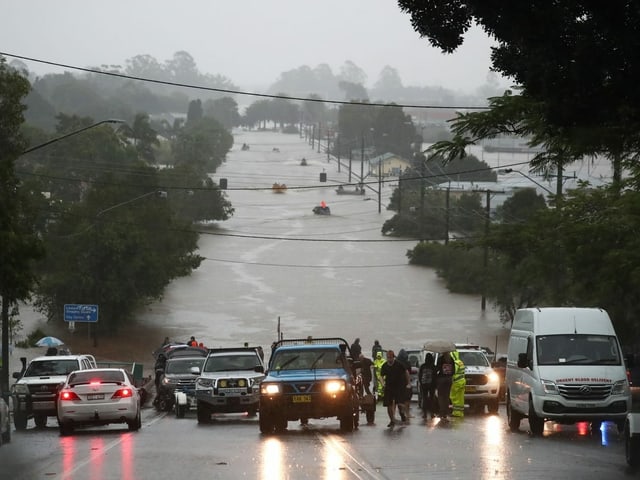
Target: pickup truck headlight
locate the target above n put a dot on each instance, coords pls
(549, 387)
(270, 389)
(334, 386)
(169, 381)
(204, 382)
(493, 377)
(620, 388)
(20, 389)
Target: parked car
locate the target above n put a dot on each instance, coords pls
(98, 396)
(5, 423)
(177, 385)
(36, 391)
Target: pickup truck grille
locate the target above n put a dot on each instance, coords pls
(585, 391)
(45, 389)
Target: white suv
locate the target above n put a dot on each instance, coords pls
(483, 383)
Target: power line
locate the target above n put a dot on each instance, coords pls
(239, 92)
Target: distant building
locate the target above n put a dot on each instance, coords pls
(390, 165)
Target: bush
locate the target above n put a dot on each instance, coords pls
(31, 339)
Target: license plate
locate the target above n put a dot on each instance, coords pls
(44, 405)
(95, 396)
(586, 405)
(302, 399)
(470, 389)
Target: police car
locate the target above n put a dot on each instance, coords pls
(482, 382)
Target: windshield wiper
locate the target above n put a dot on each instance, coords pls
(313, 365)
(288, 362)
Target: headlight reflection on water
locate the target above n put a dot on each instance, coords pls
(494, 460)
(272, 460)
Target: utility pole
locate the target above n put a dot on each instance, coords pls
(446, 216)
(362, 158)
(379, 187)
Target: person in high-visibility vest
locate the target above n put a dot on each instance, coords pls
(457, 387)
(378, 361)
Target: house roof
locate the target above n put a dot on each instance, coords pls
(386, 156)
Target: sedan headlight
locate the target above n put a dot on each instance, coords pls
(334, 386)
(270, 389)
(204, 382)
(620, 388)
(549, 387)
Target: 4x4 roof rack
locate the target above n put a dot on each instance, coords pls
(311, 341)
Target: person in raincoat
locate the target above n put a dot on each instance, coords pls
(378, 362)
(457, 386)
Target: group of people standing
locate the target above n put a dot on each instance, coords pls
(441, 381)
(442, 384)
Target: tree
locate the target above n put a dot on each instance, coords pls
(224, 110)
(144, 137)
(575, 61)
(21, 246)
(202, 144)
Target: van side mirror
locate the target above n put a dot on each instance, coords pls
(629, 360)
(523, 361)
(259, 369)
(16, 375)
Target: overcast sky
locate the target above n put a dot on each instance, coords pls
(249, 41)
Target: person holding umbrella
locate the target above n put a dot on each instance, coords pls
(445, 368)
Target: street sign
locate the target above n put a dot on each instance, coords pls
(74, 312)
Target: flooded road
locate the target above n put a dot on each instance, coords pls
(333, 275)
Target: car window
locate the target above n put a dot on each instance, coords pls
(48, 367)
(184, 365)
(478, 359)
(224, 363)
(92, 376)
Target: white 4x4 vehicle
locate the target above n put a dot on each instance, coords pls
(229, 382)
(483, 383)
(35, 394)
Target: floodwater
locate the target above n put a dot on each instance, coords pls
(277, 263)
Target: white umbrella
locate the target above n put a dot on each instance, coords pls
(49, 342)
(439, 346)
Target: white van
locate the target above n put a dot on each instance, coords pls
(565, 365)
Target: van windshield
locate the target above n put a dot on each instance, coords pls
(577, 349)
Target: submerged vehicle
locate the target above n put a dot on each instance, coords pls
(359, 190)
(279, 187)
(322, 209)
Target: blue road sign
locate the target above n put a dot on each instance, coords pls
(74, 312)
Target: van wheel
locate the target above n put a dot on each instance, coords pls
(513, 418)
(536, 423)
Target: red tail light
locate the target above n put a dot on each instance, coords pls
(68, 395)
(123, 393)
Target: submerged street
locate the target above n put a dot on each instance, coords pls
(276, 263)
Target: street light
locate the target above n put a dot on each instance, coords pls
(4, 371)
(511, 170)
(70, 134)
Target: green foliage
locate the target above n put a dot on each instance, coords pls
(32, 339)
(461, 267)
(203, 144)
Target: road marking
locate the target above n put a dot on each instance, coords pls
(357, 467)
